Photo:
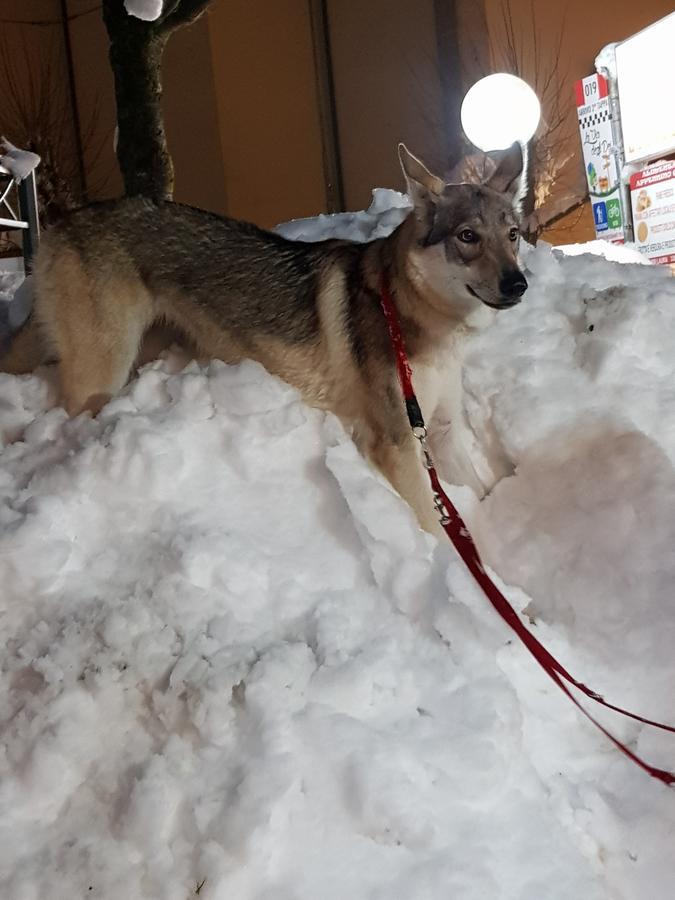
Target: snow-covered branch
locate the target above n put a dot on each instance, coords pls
(148, 10)
(19, 163)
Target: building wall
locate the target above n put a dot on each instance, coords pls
(241, 104)
(190, 104)
(585, 28)
(267, 109)
(95, 99)
(387, 88)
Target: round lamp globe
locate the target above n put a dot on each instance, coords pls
(498, 110)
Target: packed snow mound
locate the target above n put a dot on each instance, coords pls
(19, 163)
(148, 10)
(234, 664)
(387, 210)
(623, 253)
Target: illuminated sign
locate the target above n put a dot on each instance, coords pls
(595, 130)
(653, 198)
(646, 76)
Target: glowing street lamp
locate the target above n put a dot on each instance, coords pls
(499, 110)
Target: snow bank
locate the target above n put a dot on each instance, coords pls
(387, 210)
(232, 660)
(19, 163)
(623, 253)
(148, 10)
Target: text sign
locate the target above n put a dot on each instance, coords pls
(652, 193)
(645, 65)
(595, 129)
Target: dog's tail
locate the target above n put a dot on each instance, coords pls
(26, 350)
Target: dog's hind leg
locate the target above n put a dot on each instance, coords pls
(95, 326)
(92, 371)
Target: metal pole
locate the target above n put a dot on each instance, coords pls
(330, 142)
(73, 96)
(449, 70)
(606, 66)
(28, 210)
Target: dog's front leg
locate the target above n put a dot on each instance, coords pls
(402, 465)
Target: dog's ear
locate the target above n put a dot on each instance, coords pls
(424, 189)
(510, 176)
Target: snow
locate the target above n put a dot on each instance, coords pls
(14, 301)
(19, 163)
(387, 210)
(232, 659)
(148, 10)
(625, 253)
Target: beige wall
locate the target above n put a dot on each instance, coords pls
(95, 99)
(387, 90)
(190, 106)
(267, 108)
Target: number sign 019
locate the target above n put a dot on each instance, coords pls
(595, 128)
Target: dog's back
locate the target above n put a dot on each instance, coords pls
(227, 267)
(111, 270)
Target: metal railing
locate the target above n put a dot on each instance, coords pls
(23, 215)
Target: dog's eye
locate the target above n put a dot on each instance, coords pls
(467, 236)
(513, 234)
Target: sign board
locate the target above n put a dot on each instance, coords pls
(645, 66)
(652, 193)
(595, 128)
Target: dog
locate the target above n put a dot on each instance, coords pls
(309, 312)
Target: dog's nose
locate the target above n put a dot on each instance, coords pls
(513, 284)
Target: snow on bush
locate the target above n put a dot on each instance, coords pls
(233, 663)
(148, 10)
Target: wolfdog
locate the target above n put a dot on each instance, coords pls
(309, 312)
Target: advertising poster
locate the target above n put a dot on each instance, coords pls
(646, 70)
(652, 193)
(595, 128)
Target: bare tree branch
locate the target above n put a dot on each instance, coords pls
(524, 53)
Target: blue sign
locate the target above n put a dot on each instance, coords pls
(600, 216)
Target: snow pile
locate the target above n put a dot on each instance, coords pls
(11, 305)
(148, 10)
(385, 213)
(19, 163)
(11, 278)
(234, 664)
(623, 253)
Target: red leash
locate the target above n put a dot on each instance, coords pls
(463, 542)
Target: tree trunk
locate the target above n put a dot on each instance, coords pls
(136, 49)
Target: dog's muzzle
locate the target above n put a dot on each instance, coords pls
(507, 300)
(512, 287)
